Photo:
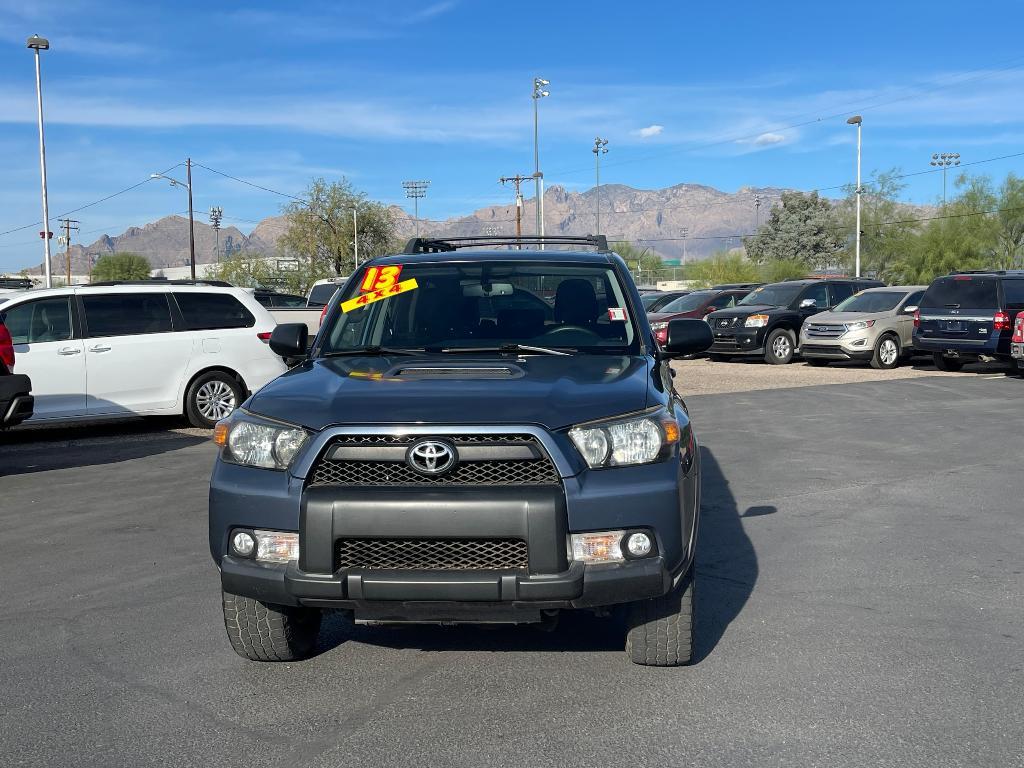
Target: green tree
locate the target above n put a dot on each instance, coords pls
(723, 267)
(286, 274)
(121, 266)
(1010, 244)
(803, 230)
(320, 228)
(644, 263)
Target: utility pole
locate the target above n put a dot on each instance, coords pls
(857, 120)
(517, 180)
(191, 219)
(684, 233)
(68, 225)
(216, 216)
(600, 148)
(539, 93)
(944, 160)
(757, 212)
(416, 190)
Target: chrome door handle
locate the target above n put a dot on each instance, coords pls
(69, 351)
(99, 348)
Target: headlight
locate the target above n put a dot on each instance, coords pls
(860, 325)
(255, 442)
(659, 326)
(756, 321)
(631, 440)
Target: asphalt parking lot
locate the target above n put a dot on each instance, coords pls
(859, 593)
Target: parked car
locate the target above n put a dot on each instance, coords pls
(132, 349)
(649, 298)
(736, 286)
(16, 401)
(767, 322)
(322, 290)
(1017, 341)
(664, 298)
(698, 304)
(969, 316)
(448, 452)
(875, 325)
(269, 298)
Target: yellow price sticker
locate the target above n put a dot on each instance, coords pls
(383, 293)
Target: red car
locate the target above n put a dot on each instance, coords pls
(697, 304)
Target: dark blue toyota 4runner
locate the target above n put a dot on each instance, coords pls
(473, 436)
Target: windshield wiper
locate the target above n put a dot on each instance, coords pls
(507, 348)
(373, 349)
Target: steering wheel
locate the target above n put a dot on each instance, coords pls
(563, 329)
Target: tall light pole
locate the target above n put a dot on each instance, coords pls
(355, 236)
(191, 217)
(857, 120)
(416, 190)
(684, 232)
(944, 160)
(539, 93)
(757, 213)
(216, 216)
(600, 148)
(38, 44)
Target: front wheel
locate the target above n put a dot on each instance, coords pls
(212, 397)
(261, 631)
(780, 347)
(887, 353)
(660, 629)
(948, 364)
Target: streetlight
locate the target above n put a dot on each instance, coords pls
(416, 190)
(600, 148)
(684, 232)
(539, 93)
(191, 221)
(38, 44)
(857, 120)
(216, 215)
(355, 236)
(944, 160)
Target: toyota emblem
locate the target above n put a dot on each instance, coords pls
(431, 457)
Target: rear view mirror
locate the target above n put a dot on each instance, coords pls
(290, 340)
(808, 303)
(479, 291)
(687, 336)
(910, 309)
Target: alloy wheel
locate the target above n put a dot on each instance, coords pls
(215, 400)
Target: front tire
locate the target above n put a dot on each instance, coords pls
(887, 353)
(947, 364)
(212, 397)
(660, 629)
(261, 631)
(779, 347)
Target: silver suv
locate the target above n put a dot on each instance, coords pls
(875, 325)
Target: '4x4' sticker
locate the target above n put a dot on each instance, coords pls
(379, 283)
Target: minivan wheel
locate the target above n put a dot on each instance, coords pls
(212, 397)
(887, 353)
(261, 631)
(660, 630)
(779, 347)
(948, 364)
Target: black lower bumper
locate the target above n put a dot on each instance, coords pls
(16, 402)
(829, 352)
(435, 595)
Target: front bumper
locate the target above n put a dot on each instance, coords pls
(819, 351)
(16, 402)
(738, 342)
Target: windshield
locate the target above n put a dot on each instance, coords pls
(689, 301)
(961, 291)
(461, 307)
(650, 299)
(775, 295)
(871, 301)
(664, 299)
(321, 294)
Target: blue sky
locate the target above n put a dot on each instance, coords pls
(380, 92)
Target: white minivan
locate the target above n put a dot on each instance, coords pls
(122, 350)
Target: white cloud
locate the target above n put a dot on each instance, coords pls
(767, 139)
(649, 131)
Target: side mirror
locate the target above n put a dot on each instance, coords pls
(809, 304)
(910, 309)
(290, 340)
(687, 336)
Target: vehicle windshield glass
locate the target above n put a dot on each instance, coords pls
(776, 295)
(321, 294)
(580, 308)
(880, 301)
(690, 301)
(961, 291)
(650, 299)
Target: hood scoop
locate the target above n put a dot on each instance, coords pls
(463, 371)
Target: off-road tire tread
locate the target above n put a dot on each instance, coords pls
(261, 631)
(660, 629)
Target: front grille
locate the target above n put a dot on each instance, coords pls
(432, 554)
(537, 470)
(825, 331)
(725, 345)
(726, 322)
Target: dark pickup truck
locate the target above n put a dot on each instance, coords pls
(473, 436)
(16, 401)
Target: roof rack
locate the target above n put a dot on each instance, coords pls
(162, 281)
(986, 271)
(15, 282)
(448, 244)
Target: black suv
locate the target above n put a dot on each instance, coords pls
(966, 316)
(767, 322)
(480, 436)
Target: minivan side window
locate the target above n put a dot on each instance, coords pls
(210, 311)
(126, 314)
(36, 322)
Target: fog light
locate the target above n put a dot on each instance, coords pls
(603, 547)
(639, 544)
(276, 546)
(243, 544)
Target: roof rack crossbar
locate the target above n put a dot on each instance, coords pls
(447, 244)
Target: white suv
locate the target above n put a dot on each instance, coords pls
(118, 350)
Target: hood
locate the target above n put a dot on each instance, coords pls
(837, 318)
(662, 317)
(745, 310)
(552, 391)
